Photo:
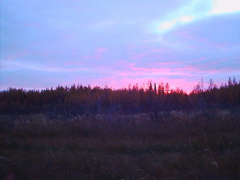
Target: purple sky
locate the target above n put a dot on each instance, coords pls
(60, 42)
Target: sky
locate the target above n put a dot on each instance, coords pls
(48, 43)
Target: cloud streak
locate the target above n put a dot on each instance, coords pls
(191, 13)
(97, 54)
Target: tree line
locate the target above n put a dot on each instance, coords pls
(79, 99)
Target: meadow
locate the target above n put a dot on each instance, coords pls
(164, 145)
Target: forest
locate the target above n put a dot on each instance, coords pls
(80, 132)
(78, 99)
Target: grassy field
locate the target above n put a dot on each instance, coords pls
(176, 145)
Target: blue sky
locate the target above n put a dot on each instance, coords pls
(61, 42)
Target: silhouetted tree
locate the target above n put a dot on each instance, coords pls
(85, 99)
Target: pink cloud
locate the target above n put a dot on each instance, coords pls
(167, 63)
(157, 71)
(191, 37)
(97, 54)
(15, 56)
(152, 53)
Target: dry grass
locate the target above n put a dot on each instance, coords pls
(172, 145)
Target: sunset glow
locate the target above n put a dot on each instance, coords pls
(49, 43)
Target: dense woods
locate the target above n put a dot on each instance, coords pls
(79, 99)
(80, 132)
